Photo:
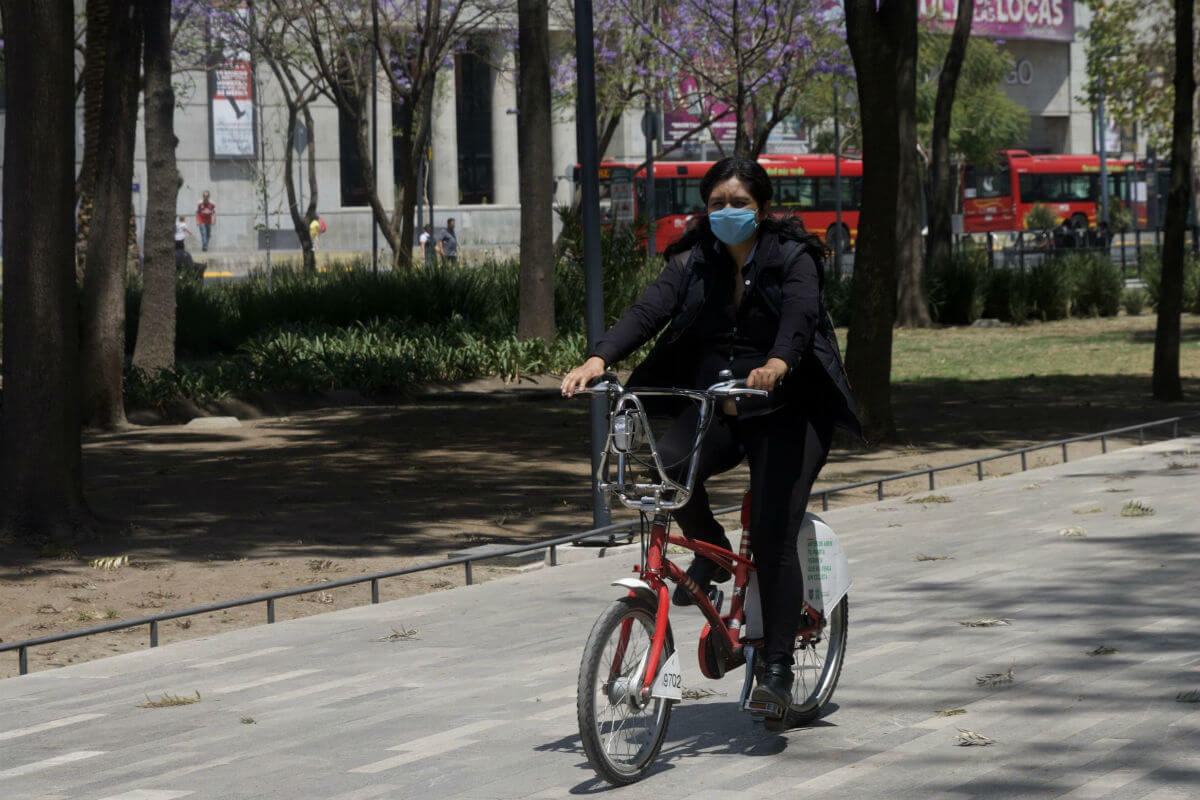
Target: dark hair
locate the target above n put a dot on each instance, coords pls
(751, 175)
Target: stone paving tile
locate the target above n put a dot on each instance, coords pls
(480, 704)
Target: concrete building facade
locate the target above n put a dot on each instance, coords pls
(474, 165)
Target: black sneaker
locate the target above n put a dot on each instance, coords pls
(705, 573)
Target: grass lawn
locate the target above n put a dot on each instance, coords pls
(1114, 346)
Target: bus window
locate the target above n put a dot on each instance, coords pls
(662, 196)
(687, 197)
(1059, 188)
(605, 201)
(796, 194)
(984, 182)
(826, 199)
(1116, 184)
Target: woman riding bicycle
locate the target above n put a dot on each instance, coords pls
(743, 291)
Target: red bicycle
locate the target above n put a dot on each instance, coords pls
(630, 675)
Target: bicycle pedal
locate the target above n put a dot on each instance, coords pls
(761, 708)
(717, 597)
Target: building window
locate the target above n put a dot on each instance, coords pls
(354, 188)
(473, 95)
(401, 120)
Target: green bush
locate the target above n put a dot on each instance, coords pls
(956, 288)
(217, 318)
(837, 297)
(1006, 296)
(1152, 277)
(375, 357)
(1040, 218)
(1096, 285)
(1049, 289)
(1120, 218)
(1133, 301)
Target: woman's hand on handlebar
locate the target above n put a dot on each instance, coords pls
(579, 377)
(768, 375)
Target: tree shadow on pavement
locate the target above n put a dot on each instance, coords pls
(427, 478)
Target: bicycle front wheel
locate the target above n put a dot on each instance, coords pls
(621, 732)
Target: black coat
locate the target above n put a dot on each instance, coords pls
(788, 282)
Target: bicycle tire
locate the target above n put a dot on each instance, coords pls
(594, 697)
(812, 706)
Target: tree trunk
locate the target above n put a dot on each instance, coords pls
(300, 219)
(883, 44)
(536, 316)
(912, 301)
(98, 16)
(941, 180)
(155, 347)
(103, 321)
(1166, 383)
(39, 417)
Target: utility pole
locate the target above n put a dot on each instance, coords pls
(650, 129)
(837, 186)
(375, 130)
(1103, 215)
(651, 132)
(589, 166)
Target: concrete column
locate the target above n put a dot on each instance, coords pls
(445, 141)
(565, 149)
(505, 187)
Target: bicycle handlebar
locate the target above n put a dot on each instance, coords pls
(608, 384)
(629, 430)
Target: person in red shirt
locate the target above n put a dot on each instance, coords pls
(206, 217)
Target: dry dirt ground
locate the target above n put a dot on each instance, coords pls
(280, 502)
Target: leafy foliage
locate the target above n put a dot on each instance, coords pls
(296, 331)
(1096, 285)
(1040, 218)
(983, 119)
(956, 288)
(1152, 278)
(1134, 301)
(1131, 55)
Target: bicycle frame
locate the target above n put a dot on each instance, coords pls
(627, 423)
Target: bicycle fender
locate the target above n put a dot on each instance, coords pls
(826, 568)
(638, 587)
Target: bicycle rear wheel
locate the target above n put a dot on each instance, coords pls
(621, 733)
(818, 665)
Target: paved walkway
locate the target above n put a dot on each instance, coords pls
(479, 702)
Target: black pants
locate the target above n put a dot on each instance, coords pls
(786, 450)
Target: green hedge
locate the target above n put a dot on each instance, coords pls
(376, 357)
(1152, 277)
(957, 288)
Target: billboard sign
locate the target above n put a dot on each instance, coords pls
(231, 111)
(684, 110)
(1048, 20)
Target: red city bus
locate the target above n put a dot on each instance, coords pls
(803, 185)
(997, 198)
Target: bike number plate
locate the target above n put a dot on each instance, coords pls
(669, 683)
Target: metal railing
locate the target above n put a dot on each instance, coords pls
(1021, 249)
(551, 545)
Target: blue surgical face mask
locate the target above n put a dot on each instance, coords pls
(733, 225)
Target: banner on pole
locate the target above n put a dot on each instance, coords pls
(231, 101)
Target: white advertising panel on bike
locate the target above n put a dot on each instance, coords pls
(826, 568)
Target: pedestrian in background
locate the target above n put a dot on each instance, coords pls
(182, 231)
(183, 259)
(447, 244)
(315, 229)
(206, 217)
(428, 249)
